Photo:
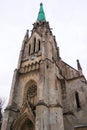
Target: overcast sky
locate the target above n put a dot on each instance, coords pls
(68, 18)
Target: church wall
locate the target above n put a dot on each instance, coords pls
(78, 111)
(42, 118)
(23, 80)
(56, 118)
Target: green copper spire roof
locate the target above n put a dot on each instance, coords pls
(41, 14)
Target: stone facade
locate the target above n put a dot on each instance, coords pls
(46, 93)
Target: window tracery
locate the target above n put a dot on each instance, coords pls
(32, 97)
(32, 91)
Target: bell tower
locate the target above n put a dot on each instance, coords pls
(35, 101)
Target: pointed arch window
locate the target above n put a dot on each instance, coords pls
(39, 45)
(34, 44)
(32, 91)
(77, 100)
(32, 97)
(29, 49)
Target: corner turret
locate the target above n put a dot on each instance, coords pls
(79, 67)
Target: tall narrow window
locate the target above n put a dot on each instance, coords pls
(29, 49)
(77, 100)
(38, 45)
(34, 44)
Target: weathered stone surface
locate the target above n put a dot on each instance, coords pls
(46, 93)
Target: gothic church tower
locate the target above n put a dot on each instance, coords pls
(46, 92)
(35, 97)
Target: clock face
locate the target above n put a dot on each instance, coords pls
(32, 57)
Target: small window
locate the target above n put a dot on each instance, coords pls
(34, 44)
(29, 49)
(77, 100)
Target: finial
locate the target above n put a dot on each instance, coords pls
(78, 65)
(27, 32)
(41, 4)
(26, 36)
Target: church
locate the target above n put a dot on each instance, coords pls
(46, 92)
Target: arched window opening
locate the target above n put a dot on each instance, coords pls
(27, 125)
(77, 100)
(34, 44)
(38, 45)
(23, 123)
(29, 49)
(32, 97)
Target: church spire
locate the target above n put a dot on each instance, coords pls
(41, 14)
